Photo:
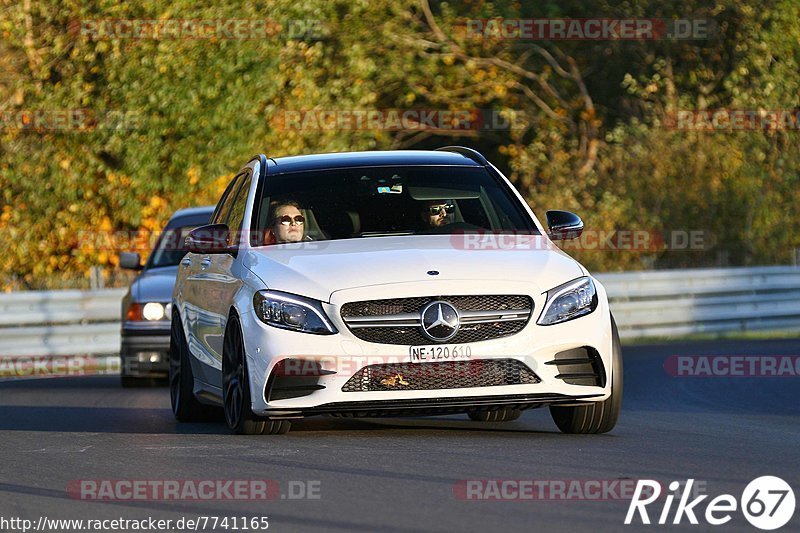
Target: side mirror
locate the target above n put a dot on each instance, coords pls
(564, 225)
(210, 239)
(130, 260)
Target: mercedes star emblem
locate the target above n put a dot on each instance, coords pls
(440, 321)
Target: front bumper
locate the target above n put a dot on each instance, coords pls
(341, 355)
(144, 351)
(429, 406)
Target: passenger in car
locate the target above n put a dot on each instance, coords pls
(288, 223)
(437, 213)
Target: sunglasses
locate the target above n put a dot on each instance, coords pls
(286, 220)
(436, 209)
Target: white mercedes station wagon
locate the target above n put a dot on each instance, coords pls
(397, 283)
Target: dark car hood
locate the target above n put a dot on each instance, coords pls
(154, 285)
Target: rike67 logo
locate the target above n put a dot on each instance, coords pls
(767, 503)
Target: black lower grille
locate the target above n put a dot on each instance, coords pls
(294, 378)
(580, 366)
(444, 375)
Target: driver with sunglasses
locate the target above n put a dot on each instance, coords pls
(437, 213)
(288, 224)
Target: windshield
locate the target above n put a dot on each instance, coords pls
(380, 201)
(169, 250)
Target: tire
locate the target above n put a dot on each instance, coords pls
(185, 405)
(236, 389)
(497, 415)
(597, 417)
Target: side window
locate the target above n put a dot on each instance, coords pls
(225, 203)
(239, 206)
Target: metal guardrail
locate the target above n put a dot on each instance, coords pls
(60, 322)
(681, 302)
(645, 304)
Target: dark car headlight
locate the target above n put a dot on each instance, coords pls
(148, 312)
(290, 311)
(573, 299)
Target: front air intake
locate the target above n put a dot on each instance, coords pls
(444, 375)
(580, 366)
(294, 378)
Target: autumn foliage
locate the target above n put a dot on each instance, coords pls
(106, 132)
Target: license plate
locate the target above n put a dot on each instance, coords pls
(439, 352)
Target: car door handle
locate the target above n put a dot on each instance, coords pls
(205, 263)
(186, 262)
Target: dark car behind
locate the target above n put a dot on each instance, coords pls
(146, 308)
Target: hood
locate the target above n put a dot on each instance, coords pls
(154, 285)
(317, 269)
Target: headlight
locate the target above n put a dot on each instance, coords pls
(289, 311)
(148, 312)
(153, 311)
(570, 300)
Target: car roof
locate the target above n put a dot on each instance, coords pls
(282, 165)
(190, 216)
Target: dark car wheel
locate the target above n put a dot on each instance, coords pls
(185, 405)
(236, 389)
(597, 417)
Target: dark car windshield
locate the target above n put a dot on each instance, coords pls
(169, 250)
(380, 201)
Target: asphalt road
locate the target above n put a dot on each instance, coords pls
(404, 474)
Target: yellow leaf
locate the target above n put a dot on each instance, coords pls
(194, 175)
